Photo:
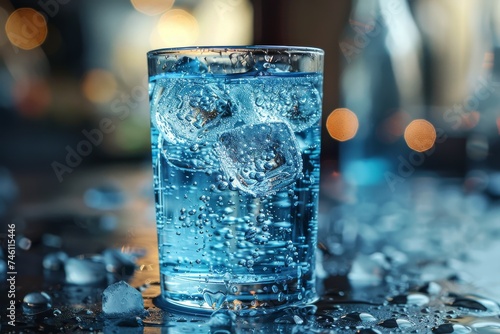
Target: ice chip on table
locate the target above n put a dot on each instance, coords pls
(85, 271)
(188, 65)
(122, 300)
(104, 197)
(369, 269)
(193, 112)
(260, 159)
(296, 101)
(118, 262)
(55, 261)
(190, 157)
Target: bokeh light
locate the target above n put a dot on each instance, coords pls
(420, 135)
(177, 27)
(152, 7)
(99, 86)
(32, 97)
(127, 63)
(342, 124)
(26, 28)
(224, 22)
(498, 125)
(470, 119)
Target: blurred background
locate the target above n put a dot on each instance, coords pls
(68, 65)
(411, 92)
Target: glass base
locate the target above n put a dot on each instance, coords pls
(243, 298)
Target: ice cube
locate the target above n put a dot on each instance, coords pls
(187, 65)
(190, 112)
(266, 68)
(295, 100)
(260, 159)
(85, 270)
(122, 300)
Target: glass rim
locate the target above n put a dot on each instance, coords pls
(236, 48)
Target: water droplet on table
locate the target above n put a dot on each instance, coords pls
(36, 302)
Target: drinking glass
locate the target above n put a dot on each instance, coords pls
(235, 134)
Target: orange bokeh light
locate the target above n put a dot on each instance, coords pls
(99, 86)
(26, 28)
(152, 7)
(342, 124)
(420, 135)
(177, 27)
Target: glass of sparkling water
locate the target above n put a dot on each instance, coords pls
(235, 134)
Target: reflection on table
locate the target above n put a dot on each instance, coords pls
(419, 261)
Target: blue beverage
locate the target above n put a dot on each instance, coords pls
(236, 179)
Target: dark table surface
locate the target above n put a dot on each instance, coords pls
(382, 282)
